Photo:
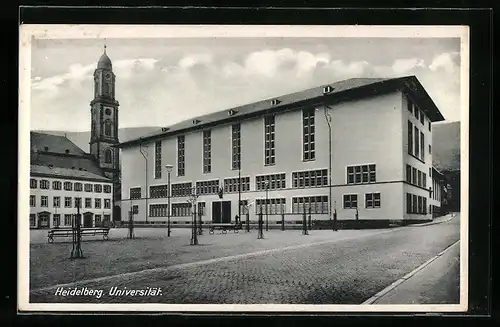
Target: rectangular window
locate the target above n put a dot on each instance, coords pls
(309, 178)
(78, 187)
(270, 182)
(236, 146)
(56, 185)
(414, 174)
(414, 203)
(97, 203)
(308, 134)
(361, 174)
(430, 149)
(269, 139)
(207, 187)
(419, 178)
(424, 205)
(98, 188)
(78, 202)
(135, 193)
(181, 189)
(181, 155)
(135, 209)
(422, 118)
(98, 220)
(416, 112)
(420, 209)
(422, 146)
(107, 204)
(207, 151)
(409, 105)
(270, 206)
(33, 183)
(410, 138)
(158, 159)
(430, 128)
(107, 218)
(317, 204)
(158, 191)
(408, 203)
(44, 184)
(417, 137)
(44, 201)
(88, 203)
(372, 200)
(350, 201)
(56, 202)
(32, 201)
(32, 220)
(68, 202)
(424, 180)
(88, 187)
(107, 188)
(231, 185)
(158, 210)
(68, 186)
(408, 173)
(57, 220)
(201, 208)
(181, 209)
(68, 220)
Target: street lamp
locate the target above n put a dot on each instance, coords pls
(266, 183)
(192, 200)
(142, 149)
(328, 119)
(169, 170)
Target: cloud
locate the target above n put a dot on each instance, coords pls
(402, 66)
(448, 61)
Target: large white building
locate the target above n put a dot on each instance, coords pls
(62, 175)
(377, 154)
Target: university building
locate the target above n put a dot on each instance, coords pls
(63, 175)
(359, 149)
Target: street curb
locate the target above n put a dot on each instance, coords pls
(407, 276)
(433, 222)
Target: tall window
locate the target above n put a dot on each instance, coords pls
(408, 203)
(107, 156)
(310, 178)
(424, 180)
(88, 203)
(158, 159)
(422, 118)
(89, 187)
(57, 201)
(98, 188)
(78, 202)
(409, 105)
(97, 203)
(181, 155)
(56, 185)
(32, 201)
(236, 145)
(44, 184)
(67, 220)
(68, 186)
(67, 201)
(207, 151)
(419, 178)
(107, 127)
(78, 187)
(269, 146)
(33, 183)
(308, 134)
(350, 201)
(57, 220)
(414, 174)
(408, 173)
(430, 126)
(417, 136)
(422, 145)
(430, 149)
(414, 203)
(410, 138)
(45, 201)
(107, 204)
(107, 188)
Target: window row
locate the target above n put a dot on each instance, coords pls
(310, 178)
(270, 182)
(232, 185)
(419, 114)
(372, 201)
(416, 177)
(416, 204)
(361, 174)
(68, 202)
(70, 186)
(312, 204)
(416, 142)
(69, 220)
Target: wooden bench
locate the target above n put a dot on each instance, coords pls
(67, 232)
(223, 227)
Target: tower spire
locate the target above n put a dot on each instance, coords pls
(104, 47)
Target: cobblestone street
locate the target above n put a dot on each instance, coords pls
(346, 267)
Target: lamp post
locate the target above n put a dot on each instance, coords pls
(328, 119)
(142, 149)
(169, 170)
(266, 183)
(192, 199)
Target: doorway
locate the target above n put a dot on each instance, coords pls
(221, 212)
(87, 220)
(43, 220)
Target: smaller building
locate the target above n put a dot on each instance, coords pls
(438, 197)
(64, 177)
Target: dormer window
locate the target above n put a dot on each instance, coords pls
(275, 102)
(327, 89)
(232, 112)
(196, 121)
(46, 148)
(164, 129)
(66, 151)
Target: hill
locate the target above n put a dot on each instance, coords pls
(446, 146)
(124, 134)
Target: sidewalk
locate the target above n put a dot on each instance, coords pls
(439, 220)
(438, 282)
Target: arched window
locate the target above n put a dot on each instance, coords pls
(107, 156)
(107, 128)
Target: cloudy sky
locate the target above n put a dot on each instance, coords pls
(164, 81)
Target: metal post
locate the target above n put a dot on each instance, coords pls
(239, 188)
(200, 228)
(328, 119)
(304, 222)
(260, 234)
(267, 206)
(248, 219)
(131, 223)
(335, 217)
(76, 252)
(282, 218)
(145, 154)
(194, 231)
(169, 169)
(309, 223)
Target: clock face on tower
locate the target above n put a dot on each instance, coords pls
(107, 77)
(107, 111)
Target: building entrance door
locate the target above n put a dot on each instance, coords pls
(87, 220)
(43, 220)
(221, 212)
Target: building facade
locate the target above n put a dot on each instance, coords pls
(438, 199)
(64, 177)
(340, 150)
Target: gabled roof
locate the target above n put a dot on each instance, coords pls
(57, 156)
(338, 91)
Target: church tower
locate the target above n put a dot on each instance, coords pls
(104, 122)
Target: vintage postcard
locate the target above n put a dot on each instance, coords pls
(243, 168)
